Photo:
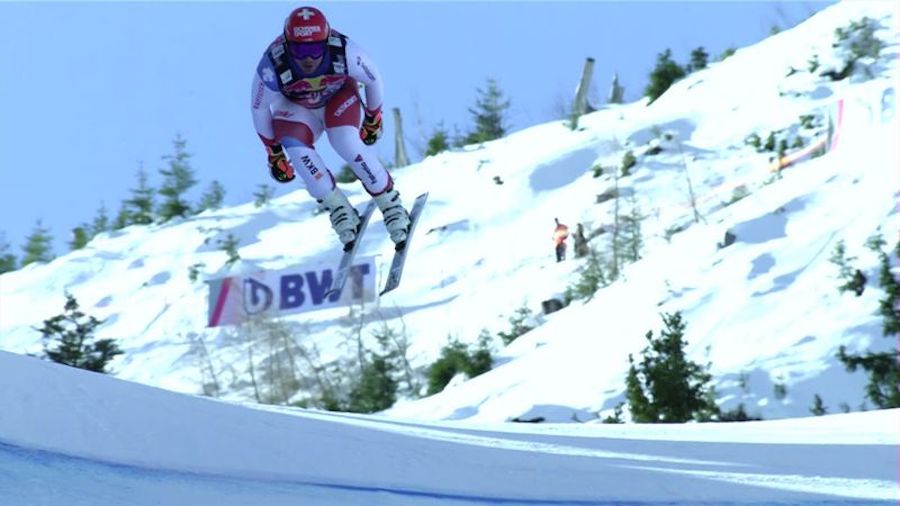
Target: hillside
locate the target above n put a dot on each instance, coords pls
(763, 310)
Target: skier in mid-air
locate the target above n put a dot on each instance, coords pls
(306, 83)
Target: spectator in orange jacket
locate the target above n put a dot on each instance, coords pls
(560, 234)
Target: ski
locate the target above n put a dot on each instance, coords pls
(396, 270)
(350, 249)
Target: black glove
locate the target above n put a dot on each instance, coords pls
(371, 127)
(279, 166)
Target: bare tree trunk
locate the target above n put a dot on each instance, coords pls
(207, 369)
(357, 336)
(313, 361)
(635, 241)
(400, 158)
(616, 92)
(289, 345)
(616, 230)
(252, 370)
(581, 106)
(246, 334)
(401, 344)
(276, 363)
(687, 175)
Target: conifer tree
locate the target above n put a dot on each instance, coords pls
(139, 207)
(263, 195)
(630, 239)
(178, 178)
(69, 340)
(889, 306)
(213, 197)
(642, 410)
(123, 218)
(7, 259)
(345, 175)
(628, 162)
(518, 325)
(818, 408)
(101, 221)
(230, 246)
(79, 238)
(699, 59)
(38, 245)
(883, 368)
(439, 142)
(854, 44)
(457, 358)
(663, 75)
(488, 113)
(665, 386)
(376, 389)
(728, 53)
(593, 277)
(770, 142)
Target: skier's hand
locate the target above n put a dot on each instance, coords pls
(371, 127)
(279, 166)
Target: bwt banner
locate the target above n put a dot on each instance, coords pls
(296, 289)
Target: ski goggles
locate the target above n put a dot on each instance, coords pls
(303, 50)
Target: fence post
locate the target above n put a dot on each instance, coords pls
(581, 102)
(400, 158)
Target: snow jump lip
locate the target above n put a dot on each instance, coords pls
(43, 465)
(43, 470)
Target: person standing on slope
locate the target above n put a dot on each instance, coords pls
(306, 84)
(560, 234)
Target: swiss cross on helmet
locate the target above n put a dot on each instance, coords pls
(306, 24)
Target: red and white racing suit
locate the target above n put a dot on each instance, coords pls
(296, 113)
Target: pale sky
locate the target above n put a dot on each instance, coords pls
(92, 91)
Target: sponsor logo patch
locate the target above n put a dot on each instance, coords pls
(365, 168)
(257, 98)
(306, 31)
(347, 103)
(365, 69)
(311, 167)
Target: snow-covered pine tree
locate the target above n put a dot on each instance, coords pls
(664, 75)
(883, 368)
(69, 340)
(666, 387)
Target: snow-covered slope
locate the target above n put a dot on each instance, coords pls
(72, 437)
(764, 310)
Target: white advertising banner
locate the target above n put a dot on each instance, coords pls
(296, 289)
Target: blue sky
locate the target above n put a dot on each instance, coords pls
(92, 91)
